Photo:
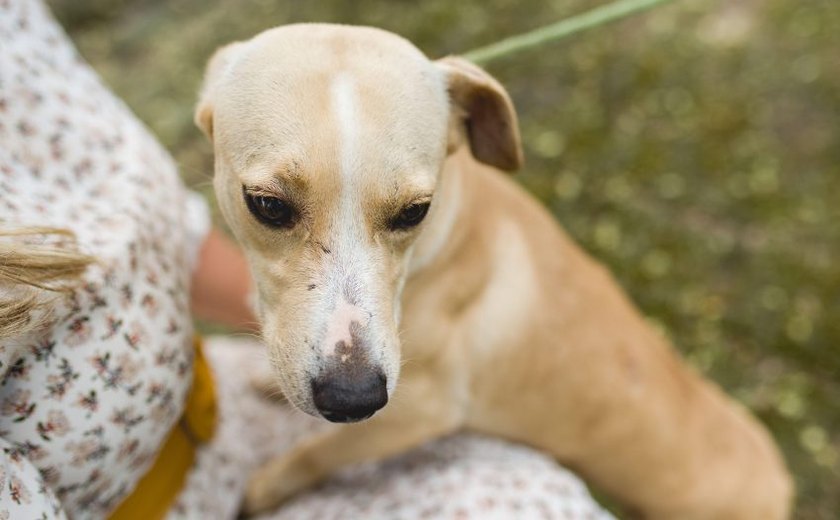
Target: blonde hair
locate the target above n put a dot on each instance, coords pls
(37, 265)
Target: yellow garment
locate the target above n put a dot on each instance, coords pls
(156, 491)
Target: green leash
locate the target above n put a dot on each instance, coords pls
(593, 18)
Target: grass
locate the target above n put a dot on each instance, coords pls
(694, 149)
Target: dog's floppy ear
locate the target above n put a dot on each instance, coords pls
(218, 63)
(484, 112)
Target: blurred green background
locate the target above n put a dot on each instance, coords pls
(695, 149)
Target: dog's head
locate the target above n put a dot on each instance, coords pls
(329, 144)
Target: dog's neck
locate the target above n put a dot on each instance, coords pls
(449, 267)
(447, 208)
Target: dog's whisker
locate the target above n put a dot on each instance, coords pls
(183, 167)
(250, 335)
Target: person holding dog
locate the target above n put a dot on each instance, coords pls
(109, 405)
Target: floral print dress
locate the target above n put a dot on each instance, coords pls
(85, 405)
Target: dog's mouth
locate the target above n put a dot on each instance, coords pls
(336, 354)
(349, 382)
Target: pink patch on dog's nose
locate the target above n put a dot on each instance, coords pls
(338, 330)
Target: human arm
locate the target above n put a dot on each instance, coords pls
(221, 284)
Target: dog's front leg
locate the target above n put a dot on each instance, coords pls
(396, 430)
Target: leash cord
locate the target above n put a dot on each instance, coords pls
(563, 28)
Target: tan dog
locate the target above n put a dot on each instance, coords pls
(331, 144)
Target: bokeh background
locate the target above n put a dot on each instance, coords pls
(695, 149)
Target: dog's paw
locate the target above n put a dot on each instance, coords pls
(271, 485)
(258, 497)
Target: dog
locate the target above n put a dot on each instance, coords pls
(366, 186)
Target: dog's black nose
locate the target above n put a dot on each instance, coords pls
(342, 397)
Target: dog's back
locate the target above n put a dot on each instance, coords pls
(559, 358)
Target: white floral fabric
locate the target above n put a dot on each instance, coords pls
(85, 405)
(89, 402)
(462, 477)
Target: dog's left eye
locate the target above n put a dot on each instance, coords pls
(271, 211)
(410, 216)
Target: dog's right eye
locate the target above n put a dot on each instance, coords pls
(271, 211)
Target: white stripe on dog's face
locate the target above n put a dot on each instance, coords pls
(350, 260)
(343, 98)
(344, 101)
